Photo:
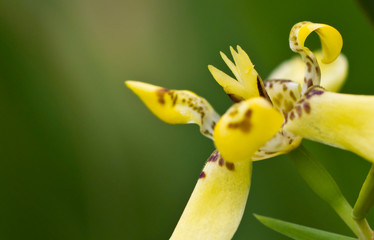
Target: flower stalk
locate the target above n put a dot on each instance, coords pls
(365, 200)
(322, 183)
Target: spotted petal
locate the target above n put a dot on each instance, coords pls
(245, 127)
(341, 120)
(331, 41)
(284, 95)
(217, 203)
(176, 106)
(333, 75)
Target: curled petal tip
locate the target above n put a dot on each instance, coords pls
(331, 40)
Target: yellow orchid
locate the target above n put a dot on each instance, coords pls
(267, 119)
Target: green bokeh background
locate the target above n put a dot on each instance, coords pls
(82, 158)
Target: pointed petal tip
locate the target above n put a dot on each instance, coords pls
(140, 88)
(233, 51)
(129, 83)
(222, 54)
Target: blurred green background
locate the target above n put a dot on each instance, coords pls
(82, 158)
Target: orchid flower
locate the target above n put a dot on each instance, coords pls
(268, 119)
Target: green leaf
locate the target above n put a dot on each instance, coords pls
(323, 184)
(299, 232)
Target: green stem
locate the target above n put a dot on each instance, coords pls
(322, 183)
(365, 199)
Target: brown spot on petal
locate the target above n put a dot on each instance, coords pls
(279, 96)
(276, 101)
(292, 115)
(202, 175)
(234, 112)
(161, 95)
(285, 116)
(230, 166)
(299, 110)
(244, 125)
(309, 58)
(310, 83)
(313, 91)
(288, 105)
(221, 161)
(284, 87)
(206, 132)
(306, 107)
(175, 99)
(213, 124)
(309, 66)
(292, 95)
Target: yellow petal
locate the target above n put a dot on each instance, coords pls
(217, 203)
(341, 120)
(331, 42)
(229, 85)
(333, 75)
(176, 106)
(248, 83)
(245, 127)
(230, 64)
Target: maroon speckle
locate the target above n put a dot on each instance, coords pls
(213, 157)
(306, 106)
(221, 161)
(160, 95)
(310, 83)
(285, 116)
(230, 166)
(292, 115)
(299, 110)
(202, 175)
(313, 91)
(309, 66)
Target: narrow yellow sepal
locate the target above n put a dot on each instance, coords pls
(331, 40)
(176, 106)
(341, 120)
(245, 127)
(333, 75)
(217, 203)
